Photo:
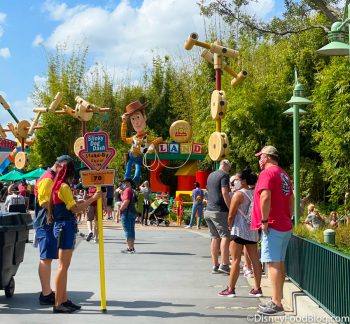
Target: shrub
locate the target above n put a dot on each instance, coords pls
(342, 236)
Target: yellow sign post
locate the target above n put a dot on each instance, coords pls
(102, 254)
(96, 154)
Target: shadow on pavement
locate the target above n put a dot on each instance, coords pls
(29, 303)
(165, 253)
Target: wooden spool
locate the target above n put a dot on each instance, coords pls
(78, 145)
(191, 41)
(82, 114)
(21, 160)
(218, 146)
(218, 104)
(22, 128)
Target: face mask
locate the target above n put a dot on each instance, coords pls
(262, 162)
(123, 186)
(237, 184)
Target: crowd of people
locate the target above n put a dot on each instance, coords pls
(240, 212)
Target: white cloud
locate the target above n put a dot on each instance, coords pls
(40, 81)
(38, 40)
(60, 11)
(126, 38)
(123, 38)
(5, 52)
(2, 17)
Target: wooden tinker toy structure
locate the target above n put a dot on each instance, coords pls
(218, 145)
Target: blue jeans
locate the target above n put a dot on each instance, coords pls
(128, 222)
(196, 208)
(131, 161)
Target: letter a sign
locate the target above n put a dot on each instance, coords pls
(96, 153)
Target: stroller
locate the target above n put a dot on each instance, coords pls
(159, 212)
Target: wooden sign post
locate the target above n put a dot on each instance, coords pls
(97, 154)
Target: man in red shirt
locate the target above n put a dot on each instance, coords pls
(273, 207)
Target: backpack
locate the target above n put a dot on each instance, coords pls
(248, 215)
(135, 196)
(199, 198)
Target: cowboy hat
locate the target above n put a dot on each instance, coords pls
(134, 106)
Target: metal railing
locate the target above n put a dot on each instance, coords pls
(322, 273)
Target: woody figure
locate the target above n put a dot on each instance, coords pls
(141, 143)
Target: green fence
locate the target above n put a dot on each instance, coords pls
(322, 273)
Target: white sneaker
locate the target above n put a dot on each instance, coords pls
(188, 226)
(95, 240)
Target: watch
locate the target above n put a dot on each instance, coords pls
(264, 221)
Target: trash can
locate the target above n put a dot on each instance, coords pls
(329, 236)
(14, 231)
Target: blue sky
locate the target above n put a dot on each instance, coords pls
(121, 35)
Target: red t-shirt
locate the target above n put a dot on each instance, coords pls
(22, 189)
(127, 195)
(278, 182)
(92, 191)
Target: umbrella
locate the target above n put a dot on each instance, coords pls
(12, 176)
(34, 174)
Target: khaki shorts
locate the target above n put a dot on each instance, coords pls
(92, 213)
(217, 223)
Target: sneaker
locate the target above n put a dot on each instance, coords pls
(248, 274)
(89, 237)
(256, 292)
(271, 309)
(215, 269)
(128, 251)
(224, 269)
(95, 240)
(188, 226)
(228, 292)
(63, 309)
(70, 304)
(262, 305)
(48, 299)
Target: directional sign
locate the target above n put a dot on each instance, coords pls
(92, 178)
(96, 153)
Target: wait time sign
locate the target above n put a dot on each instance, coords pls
(97, 154)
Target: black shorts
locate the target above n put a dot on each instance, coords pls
(241, 241)
(110, 202)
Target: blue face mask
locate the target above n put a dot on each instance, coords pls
(123, 186)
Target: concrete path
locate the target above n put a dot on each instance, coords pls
(168, 280)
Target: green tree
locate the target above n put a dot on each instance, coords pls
(65, 75)
(331, 131)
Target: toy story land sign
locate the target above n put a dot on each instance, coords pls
(97, 154)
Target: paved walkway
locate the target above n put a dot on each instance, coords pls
(167, 280)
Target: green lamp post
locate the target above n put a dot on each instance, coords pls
(339, 39)
(296, 101)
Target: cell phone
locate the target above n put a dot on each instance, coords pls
(60, 238)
